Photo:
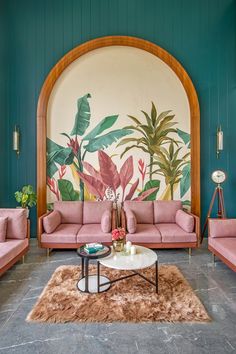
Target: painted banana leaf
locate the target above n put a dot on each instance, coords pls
(185, 180)
(126, 172)
(145, 195)
(106, 140)
(67, 190)
(184, 136)
(82, 118)
(57, 154)
(150, 185)
(132, 190)
(108, 171)
(105, 124)
(94, 186)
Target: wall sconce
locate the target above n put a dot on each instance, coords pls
(219, 141)
(16, 140)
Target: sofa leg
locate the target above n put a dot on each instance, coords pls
(213, 258)
(23, 259)
(190, 252)
(48, 252)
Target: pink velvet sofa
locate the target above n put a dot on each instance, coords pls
(160, 224)
(72, 224)
(222, 240)
(14, 237)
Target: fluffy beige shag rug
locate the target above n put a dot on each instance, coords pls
(130, 300)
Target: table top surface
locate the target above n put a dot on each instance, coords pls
(100, 254)
(144, 258)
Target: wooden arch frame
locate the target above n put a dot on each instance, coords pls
(82, 49)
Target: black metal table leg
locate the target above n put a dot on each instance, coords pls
(98, 275)
(82, 263)
(156, 276)
(86, 275)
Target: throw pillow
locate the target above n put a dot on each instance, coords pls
(106, 221)
(131, 221)
(51, 221)
(185, 221)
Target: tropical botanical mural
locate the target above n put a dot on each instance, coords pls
(99, 163)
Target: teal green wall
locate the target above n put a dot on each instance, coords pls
(201, 34)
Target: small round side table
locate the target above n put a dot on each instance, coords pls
(90, 283)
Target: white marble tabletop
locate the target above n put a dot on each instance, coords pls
(144, 258)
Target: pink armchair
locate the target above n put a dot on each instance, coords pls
(160, 224)
(222, 240)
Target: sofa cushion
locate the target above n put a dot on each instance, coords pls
(173, 233)
(106, 221)
(92, 233)
(222, 227)
(184, 220)
(71, 212)
(131, 221)
(165, 210)
(145, 233)
(3, 228)
(16, 222)
(51, 221)
(64, 233)
(143, 211)
(225, 246)
(10, 249)
(93, 211)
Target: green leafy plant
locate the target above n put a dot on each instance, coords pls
(26, 197)
(171, 166)
(154, 134)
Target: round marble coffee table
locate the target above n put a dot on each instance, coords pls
(144, 258)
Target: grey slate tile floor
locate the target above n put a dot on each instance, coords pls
(21, 285)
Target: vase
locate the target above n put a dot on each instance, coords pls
(118, 245)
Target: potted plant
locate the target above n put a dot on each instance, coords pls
(26, 197)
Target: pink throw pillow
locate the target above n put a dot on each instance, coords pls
(185, 221)
(106, 221)
(3, 229)
(51, 221)
(131, 221)
(16, 222)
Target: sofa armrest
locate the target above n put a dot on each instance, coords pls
(28, 229)
(197, 228)
(40, 225)
(113, 219)
(123, 218)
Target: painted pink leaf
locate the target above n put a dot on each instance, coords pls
(145, 194)
(126, 172)
(94, 186)
(91, 170)
(132, 190)
(108, 171)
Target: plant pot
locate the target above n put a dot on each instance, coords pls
(118, 245)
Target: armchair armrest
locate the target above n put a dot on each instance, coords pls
(40, 226)
(28, 229)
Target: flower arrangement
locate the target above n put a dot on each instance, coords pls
(118, 234)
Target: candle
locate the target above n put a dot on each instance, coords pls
(132, 250)
(128, 245)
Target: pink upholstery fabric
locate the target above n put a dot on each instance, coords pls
(165, 210)
(185, 221)
(145, 233)
(225, 246)
(222, 227)
(173, 233)
(51, 221)
(3, 228)
(16, 222)
(106, 221)
(71, 212)
(131, 221)
(64, 233)
(10, 249)
(143, 211)
(93, 211)
(92, 233)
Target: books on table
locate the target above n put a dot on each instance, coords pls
(91, 248)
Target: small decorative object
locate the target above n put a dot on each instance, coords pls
(219, 141)
(16, 140)
(128, 246)
(132, 250)
(217, 177)
(118, 239)
(26, 197)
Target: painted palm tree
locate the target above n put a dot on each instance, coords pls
(153, 134)
(171, 166)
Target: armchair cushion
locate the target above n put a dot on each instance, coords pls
(93, 211)
(16, 223)
(3, 228)
(222, 227)
(165, 210)
(51, 221)
(225, 246)
(173, 233)
(11, 249)
(185, 221)
(106, 221)
(143, 211)
(71, 212)
(131, 221)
